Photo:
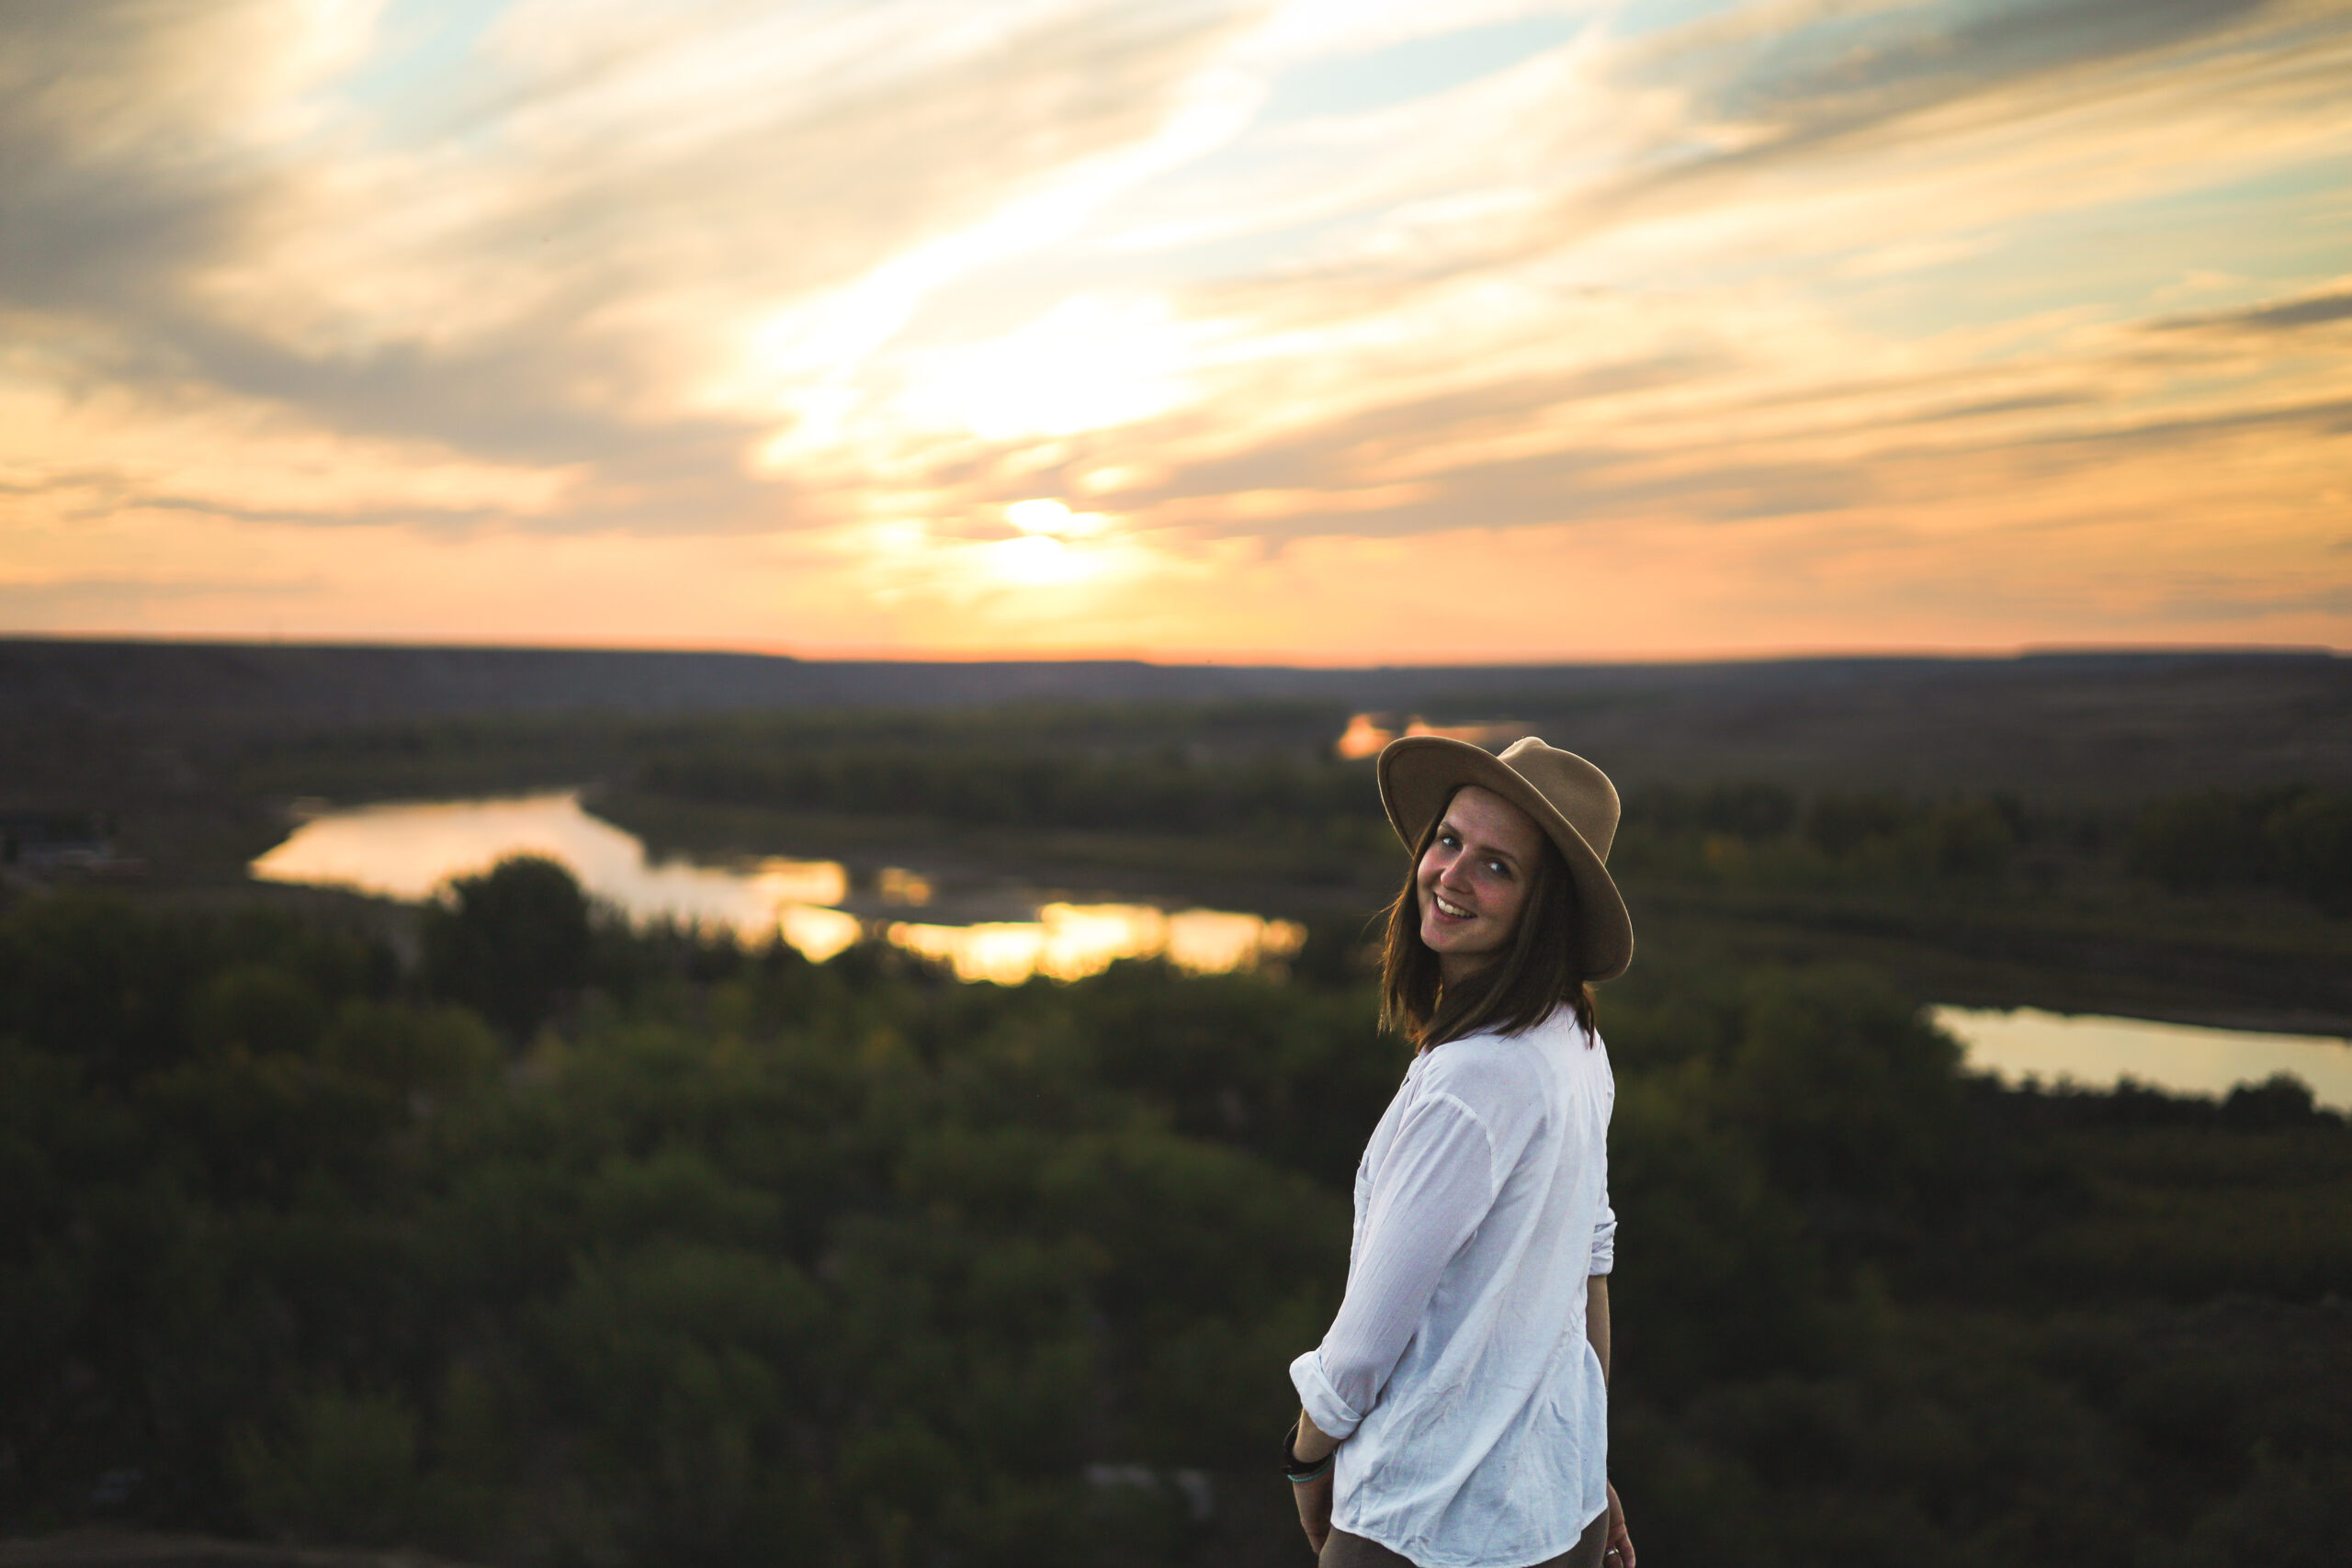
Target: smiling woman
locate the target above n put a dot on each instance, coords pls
(1441, 1421)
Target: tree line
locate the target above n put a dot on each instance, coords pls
(2294, 839)
(568, 1243)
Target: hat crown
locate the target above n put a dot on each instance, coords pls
(1574, 787)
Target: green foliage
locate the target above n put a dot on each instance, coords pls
(1748, 810)
(2310, 841)
(1717, 1275)
(1849, 1096)
(256, 1008)
(2290, 1515)
(512, 942)
(346, 1470)
(2193, 842)
(1756, 832)
(746, 1258)
(1843, 825)
(1969, 840)
(2296, 839)
(1161, 791)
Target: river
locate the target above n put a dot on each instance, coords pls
(412, 849)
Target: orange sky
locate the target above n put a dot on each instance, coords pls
(1314, 330)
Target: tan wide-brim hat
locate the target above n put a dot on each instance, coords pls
(1569, 798)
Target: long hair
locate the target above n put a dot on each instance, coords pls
(1514, 991)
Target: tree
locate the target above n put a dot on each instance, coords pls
(2311, 841)
(510, 943)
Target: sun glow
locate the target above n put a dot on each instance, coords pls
(1046, 516)
(1037, 560)
(1089, 364)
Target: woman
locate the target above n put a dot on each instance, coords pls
(1455, 1414)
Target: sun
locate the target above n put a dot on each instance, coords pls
(1036, 560)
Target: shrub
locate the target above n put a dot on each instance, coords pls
(510, 943)
(345, 1471)
(2310, 840)
(2192, 843)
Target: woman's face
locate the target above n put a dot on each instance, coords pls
(1473, 879)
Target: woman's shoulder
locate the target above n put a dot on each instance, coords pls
(1510, 1068)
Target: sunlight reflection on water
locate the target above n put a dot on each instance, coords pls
(2097, 1053)
(408, 850)
(1367, 733)
(411, 851)
(1068, 941)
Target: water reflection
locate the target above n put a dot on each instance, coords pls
(1367, 733)
(411, 851)
(899, 886)
(1069, 941)
(2097, 1052)
(408, 850)
(818, 934)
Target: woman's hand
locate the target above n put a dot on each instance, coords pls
(1618, 1550)
(1309, 1444)
(1313, 1500)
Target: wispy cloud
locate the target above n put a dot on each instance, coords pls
(1806, 322)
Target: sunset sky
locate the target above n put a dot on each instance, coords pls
(1331, 331)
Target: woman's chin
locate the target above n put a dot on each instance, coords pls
(1457, 950)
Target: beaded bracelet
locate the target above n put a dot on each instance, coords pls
(1300, 1475)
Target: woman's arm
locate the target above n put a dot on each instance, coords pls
(1596, 1319)
(1618, 1552)
(1309, 1444)
(1435, 1186)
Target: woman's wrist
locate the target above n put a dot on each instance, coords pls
(1300, 1470)
(1317, 1460)
(1309, 1441)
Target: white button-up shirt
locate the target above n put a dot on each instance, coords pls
(1458, 1371)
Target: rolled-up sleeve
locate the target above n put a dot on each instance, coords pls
(1434, 1188)
(1604, 1239)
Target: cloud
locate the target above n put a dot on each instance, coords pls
(1876, 281)
(2279, 316)
(83, 593)
(1341, 371)
(550, 281)
(129, 130)
(1801, 72)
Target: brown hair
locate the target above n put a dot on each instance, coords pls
(1511, 994)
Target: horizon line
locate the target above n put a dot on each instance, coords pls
(854, 655)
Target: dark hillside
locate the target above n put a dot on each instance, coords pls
(2092, 725)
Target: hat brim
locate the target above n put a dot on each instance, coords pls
(1418, 773)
